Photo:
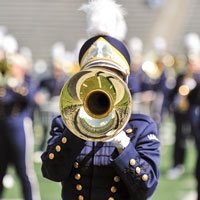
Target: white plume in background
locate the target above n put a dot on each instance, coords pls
(10, 44)
(105, 17)
(159, 44)
(192, 42)
(135, 45)
(58, 50)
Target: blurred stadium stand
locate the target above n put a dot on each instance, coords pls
(40, 23)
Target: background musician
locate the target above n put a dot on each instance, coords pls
(182, 107)
(16, 134)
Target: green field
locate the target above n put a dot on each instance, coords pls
(167, 189)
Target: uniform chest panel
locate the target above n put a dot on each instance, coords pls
(96, 154)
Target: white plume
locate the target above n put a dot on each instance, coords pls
(135, 45)
(105, 17)
(192, 42)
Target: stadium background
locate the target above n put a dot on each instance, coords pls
(38, 24)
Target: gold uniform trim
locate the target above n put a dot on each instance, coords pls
(132, 162)
(113, 189)
(138, 170)
(58, 148)
(145, 177)
(116, 179)
(77, 176)
(64, 140)
(129, 130)
(79, 187)
(51, 156)
(80, 197)
(76, 165)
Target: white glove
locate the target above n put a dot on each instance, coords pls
(121, 140)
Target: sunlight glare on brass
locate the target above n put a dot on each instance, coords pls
(95, 104)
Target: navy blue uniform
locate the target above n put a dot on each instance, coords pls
(161, 87)
(194, 99)
(15, 112)
(96, 171)
(180, 108)
(52, 87)
(140, 85)
(134, 83)
(143, 82)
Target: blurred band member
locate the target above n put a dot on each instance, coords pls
(47, 98)
(194, 100)
(16, 134)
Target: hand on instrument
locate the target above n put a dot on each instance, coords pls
(121, 140)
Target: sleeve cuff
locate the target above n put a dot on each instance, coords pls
(126, 158)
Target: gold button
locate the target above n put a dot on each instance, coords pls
(116, 179)
(51, 156)
(58, 148)
(113, 189)
(138, 170)
(79, 187)
(111, 198)
(80, 197)
(76, 165)
(77, 176)
(64, 140)
(132, 162)
(145, 177)
(129, 130)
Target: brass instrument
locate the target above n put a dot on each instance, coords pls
(4, 68)
(8, 74)
(185, 88)
(95, 104)
(4, 71)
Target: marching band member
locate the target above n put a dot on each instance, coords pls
(194, 101)
(138, 81)
(158, 76)
(48, 91)
(46, 98)
(134, 79)
(125, 166)
(181, 106)
(16, 135)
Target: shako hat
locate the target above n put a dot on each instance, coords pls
(107, 30)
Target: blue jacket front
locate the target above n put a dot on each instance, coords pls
(96, 171)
